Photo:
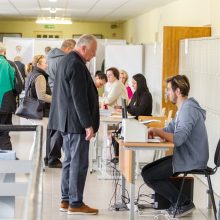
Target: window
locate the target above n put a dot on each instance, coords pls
(98, 36)
(9, 35)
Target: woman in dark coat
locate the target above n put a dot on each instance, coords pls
(141, 102)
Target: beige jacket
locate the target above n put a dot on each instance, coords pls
(116, 92)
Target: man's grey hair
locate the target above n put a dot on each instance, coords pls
(85, 39)
(69, 43)
(2, 47)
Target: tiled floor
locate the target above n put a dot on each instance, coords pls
(97, 193)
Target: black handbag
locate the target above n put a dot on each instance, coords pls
(30, 107)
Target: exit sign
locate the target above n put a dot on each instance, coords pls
(49, 26)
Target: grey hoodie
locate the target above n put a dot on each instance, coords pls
(53, 58)
(190, 137)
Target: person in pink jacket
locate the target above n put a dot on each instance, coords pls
(124, 80)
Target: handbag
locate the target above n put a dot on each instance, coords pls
(30, 107)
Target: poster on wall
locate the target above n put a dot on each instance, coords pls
(23, 47)
(41, 44)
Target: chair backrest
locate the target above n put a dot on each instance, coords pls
(169, 117)
(158, 124)
(163, 112)
(217, 155)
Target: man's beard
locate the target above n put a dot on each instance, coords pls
(174, 100)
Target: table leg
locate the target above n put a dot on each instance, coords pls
(105, 151)
(122, 186)
(132, 187)
(132, 198)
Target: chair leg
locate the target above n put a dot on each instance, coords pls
(155, 157)
(212, 196)
(179, 196)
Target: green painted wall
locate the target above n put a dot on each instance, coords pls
(31, 29)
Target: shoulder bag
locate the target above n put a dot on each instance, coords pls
(30, 107)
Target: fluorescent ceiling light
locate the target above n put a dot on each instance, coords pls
(56, 20)
(52, 0)
(53, 10)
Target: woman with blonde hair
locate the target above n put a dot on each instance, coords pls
(124, 79)
(38, 81)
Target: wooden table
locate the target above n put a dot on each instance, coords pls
(127, 164)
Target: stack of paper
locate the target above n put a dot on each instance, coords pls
(149, 121)
(105, 112)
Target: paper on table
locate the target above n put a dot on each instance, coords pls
(149, 121)
(119, 116)
(153, 140)
(105, 112)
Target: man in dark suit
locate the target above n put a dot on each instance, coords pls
(21, 67)
(75, 112)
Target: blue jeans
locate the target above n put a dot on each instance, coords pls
(74, 168)
(156, 175)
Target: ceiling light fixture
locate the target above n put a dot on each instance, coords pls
(53, 10)
(56, 20)
(52, 0)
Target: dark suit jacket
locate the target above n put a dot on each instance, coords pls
(21, 68)
(74, 104)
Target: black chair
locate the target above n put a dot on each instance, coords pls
(207, 172)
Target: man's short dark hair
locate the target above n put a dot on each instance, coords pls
(181, 82)
(98, 72)
(101, 76)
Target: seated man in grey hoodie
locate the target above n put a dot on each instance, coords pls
(188, 133)
(54, 138)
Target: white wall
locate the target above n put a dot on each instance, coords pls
(215, 17)
(199, 60)
(125, 57)
(153, 73)
(146, 27)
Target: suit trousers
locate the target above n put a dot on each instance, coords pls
(5, 140)
(156, 175)
(74, 168)
(54, 144)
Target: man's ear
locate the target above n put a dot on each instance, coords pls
(178, 91)
(84, 48)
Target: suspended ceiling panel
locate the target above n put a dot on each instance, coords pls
(85, 10)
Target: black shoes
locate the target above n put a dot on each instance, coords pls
(55, 164)
(115, 160)
(46, 161)
(182, 210)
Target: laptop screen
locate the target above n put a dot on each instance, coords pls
(124, 108)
